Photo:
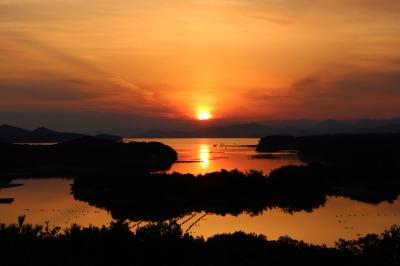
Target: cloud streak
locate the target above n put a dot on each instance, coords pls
(73, 89)
(47, 89)
(54, 53)
(349, 95)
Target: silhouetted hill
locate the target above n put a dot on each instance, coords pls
(11, 134)
(85, 154)
(387, 128)
(363, 149)
(108, 137)
(332, 126)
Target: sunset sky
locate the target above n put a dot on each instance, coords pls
(231, 59)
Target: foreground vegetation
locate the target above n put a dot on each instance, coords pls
(166, 244)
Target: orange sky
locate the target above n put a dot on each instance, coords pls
(247, 59)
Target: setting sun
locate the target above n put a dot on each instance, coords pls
(186, 121)
(203, 116)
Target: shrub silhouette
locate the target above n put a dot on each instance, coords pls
(166, 244)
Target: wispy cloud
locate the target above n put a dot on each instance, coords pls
(53, 52)
(356, 94)
(278, 21)
(148, 95)
(108, 83)
(50, 89)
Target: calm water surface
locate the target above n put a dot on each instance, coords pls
(199, 156)
(50, 200)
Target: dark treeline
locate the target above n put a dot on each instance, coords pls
(367, 161)
(376, 149)
(159, 196)
(84, 154)
(166, 244)
(5, 181)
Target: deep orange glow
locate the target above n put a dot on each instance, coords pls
(247, 59)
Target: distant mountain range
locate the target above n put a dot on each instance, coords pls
(245, 130)
(291, 127)
(253, 130)
(11, 134)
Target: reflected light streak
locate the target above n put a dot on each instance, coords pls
(204, 154)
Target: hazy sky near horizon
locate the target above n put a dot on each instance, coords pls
(238, 59)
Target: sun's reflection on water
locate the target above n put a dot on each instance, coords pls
(204, 155)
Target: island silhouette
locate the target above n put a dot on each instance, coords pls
(86, 154)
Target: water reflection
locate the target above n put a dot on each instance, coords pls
(339, 218)
(200, 156)
(50, 199)
(204, 155)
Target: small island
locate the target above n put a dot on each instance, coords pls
(161, 196)
(84, 155)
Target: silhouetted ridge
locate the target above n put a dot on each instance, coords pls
(43, 130)
(303, 127)
(108, 137)
(12, 134)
